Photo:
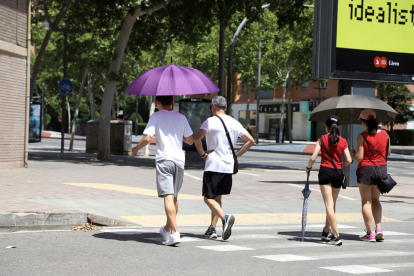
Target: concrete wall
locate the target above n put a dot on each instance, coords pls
(13, 82)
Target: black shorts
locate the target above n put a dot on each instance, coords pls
(371, 175)
(330, 176)
(215, 184)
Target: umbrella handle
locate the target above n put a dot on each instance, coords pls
(307, 180)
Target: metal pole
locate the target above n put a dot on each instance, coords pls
(42, 120)
(230, 62)
(221, 57)
(136, 115)
(65, 67)
(258, 85)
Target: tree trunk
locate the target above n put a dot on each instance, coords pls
(152, 98)
(282, 112)
(75, 117)
(68, 108)
(290, 112)
(91, 98)
(104, 149)
(45, 42)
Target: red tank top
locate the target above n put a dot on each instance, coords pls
(336, 152)
(379, 143)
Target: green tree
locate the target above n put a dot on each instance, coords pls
(284, 51)
(400, 98)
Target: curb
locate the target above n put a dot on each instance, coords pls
(18, 221)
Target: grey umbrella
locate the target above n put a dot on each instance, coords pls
(348, 108)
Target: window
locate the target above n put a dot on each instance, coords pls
(323, 84)
(304, 85)
(266, 94)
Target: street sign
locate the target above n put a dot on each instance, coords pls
(364, 40)
(65, 87)
(304, 107)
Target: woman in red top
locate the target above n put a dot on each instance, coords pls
(371, 169)
(330, 180)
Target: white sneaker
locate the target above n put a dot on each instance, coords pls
(173, 239)
(164, 234)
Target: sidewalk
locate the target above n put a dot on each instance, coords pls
(54, 193)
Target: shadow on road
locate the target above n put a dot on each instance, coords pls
(149, 238)
(291, 182)
(297, 236)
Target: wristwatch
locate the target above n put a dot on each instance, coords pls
(204, 154)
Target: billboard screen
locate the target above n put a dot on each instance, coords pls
(365, 40)
(196, 111)
(35, 115)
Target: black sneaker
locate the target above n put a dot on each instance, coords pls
(335, 241)
(228, 222)
(326, 236)
(211, 233)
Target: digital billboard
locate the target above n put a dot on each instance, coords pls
(35, 115)
(364, 40)
(196, 111)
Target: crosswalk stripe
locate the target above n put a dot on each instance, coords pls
(357, 269)
(223, 248)
(341, 255)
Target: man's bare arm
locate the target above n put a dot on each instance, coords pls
(188, 140)
(144, 141)
(197, 141)
(248, 142)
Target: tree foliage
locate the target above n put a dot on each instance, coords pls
(400, 98)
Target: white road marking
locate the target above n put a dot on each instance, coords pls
(182, 239)
(313, 189)
(357, 269)
(192, 176)
(254, 237)
(123, 231)
(341, 226)
(392, 233)
(338, 255)
(249, 174)
(264, 161)
(285, 258)
(223, 248)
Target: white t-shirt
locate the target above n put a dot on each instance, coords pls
(221, 160)
(169, 127)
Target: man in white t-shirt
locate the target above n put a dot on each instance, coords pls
(170, 129)
(217, 179)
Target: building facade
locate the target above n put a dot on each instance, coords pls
(14, 82)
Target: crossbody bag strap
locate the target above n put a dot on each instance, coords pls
(228, 137)
(327, 152)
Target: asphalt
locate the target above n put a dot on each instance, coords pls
(251, 250)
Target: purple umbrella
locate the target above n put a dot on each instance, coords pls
(172, 80)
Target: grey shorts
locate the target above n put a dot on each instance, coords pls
(169, 178)
(371, 175)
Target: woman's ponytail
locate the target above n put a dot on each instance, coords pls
(334, 134)
(372, 126)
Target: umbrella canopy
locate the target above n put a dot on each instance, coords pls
(172, 80)
(306, 193)
(348, 108)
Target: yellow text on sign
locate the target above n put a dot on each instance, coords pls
(376, 25)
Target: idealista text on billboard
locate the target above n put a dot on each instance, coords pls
(368, 39)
